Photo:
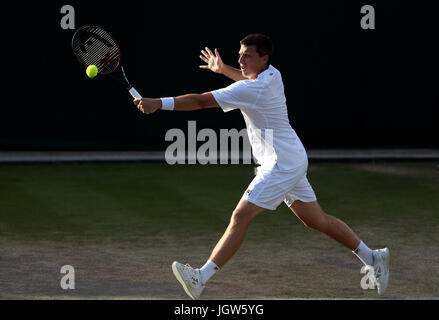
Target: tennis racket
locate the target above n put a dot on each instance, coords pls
(92, 45)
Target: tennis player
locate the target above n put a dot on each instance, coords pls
(258, 92)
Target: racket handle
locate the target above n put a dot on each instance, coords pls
(134, 93)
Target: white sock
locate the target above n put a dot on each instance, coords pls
(208, 270)
(364, 253)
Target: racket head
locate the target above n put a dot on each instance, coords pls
(92, 45)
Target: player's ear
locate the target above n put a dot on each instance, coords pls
(266, 58)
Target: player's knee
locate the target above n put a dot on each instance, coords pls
(240, 218)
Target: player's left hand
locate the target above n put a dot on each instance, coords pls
(213, 60)
(147, 105)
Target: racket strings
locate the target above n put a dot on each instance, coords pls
(94, 46)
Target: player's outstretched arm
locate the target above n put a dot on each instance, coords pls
(187, 102)
(216, 64)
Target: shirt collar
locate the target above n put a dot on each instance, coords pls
(269, 71)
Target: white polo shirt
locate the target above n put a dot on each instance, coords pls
(275, 145)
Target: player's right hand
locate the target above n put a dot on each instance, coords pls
(147, 105)
(213, 60)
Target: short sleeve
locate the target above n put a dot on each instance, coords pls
(236, 96)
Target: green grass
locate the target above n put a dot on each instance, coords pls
(116, 200)
(124, 201)
(112, 220)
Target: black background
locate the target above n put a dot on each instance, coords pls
(345, 86)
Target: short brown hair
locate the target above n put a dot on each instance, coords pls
(264, 45)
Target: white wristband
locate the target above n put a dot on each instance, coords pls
(167, 103)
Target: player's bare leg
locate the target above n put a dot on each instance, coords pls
(234, 235)
(194, 280)
(315, 218)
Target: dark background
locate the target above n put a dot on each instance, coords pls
(345, 86)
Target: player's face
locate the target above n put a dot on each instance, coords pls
(250, 62)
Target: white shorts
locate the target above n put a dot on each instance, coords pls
(268, 189)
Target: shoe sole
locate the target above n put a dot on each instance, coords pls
(180, 279)
(388, 271)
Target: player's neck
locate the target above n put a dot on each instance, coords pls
(256, 74)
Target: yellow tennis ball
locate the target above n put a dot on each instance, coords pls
(92, 71)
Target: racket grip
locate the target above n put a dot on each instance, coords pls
(134, 93)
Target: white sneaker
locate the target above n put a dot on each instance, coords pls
(381, 269)
(189, 278)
